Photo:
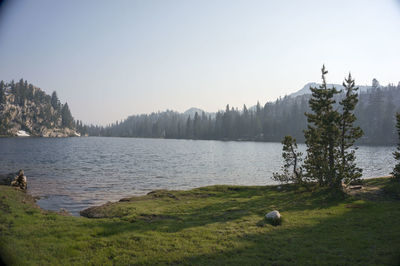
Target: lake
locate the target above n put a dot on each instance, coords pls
(76, 173)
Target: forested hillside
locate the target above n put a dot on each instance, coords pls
(375, 115)
(28, 108)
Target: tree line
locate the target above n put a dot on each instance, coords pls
(375, 113)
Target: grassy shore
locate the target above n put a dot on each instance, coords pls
(216, 225)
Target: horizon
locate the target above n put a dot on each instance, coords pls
(113, 61)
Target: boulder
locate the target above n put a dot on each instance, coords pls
(20, 180)
(273, 215)
(274, 218)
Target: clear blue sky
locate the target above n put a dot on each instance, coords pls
(111, 59)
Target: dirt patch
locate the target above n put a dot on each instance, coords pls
(132, 199)
(235, 212)
(374, 191)
(155, 217)
(354, 206)
(161, 194)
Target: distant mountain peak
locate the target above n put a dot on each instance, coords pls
(192, 111)
(306, 88)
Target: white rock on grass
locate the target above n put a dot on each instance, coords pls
(274, 215)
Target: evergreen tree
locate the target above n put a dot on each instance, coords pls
(196, 126)
(67, 119)
(349, 134)
(2, 92)
(55, 102)
(244, 126)
(31, 92)
(375, 83)
(322, 135)
(4, 125)
(396, 170)
(227, 122)
(258, 121)
(292, 172)
(375, 113)
(189, 128)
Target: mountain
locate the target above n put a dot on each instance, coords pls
(192, 111)
(26, 110)
(306, 88)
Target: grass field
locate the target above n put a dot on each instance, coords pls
(217, 225)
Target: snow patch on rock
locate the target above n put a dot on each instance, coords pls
(22, 133)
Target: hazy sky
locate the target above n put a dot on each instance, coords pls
(111, 59)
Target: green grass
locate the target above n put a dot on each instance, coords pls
(217, 225)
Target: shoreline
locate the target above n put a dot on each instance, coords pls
(121, 198)
(126, 198)
(222, 140)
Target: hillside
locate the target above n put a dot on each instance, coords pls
(26, 110)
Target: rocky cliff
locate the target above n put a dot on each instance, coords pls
(27, 109)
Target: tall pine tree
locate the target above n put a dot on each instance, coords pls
(322, 136)
(2, 92)
(348, 171)
(55, 102)
(67, 119)
(396, 170)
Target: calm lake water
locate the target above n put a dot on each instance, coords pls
(76, 173)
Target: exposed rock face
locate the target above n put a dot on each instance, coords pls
(20, 180)
(31, 111)
(28, 118)
(58, 133)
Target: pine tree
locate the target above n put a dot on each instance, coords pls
(227, 122)
(375, 83)
(4, 125)
(67, 119)
(322, 136)
(396, 170)
(196, 126)
(2, 92)
(55, 102)
(292, 172)
(349, 133)
(189, 128)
